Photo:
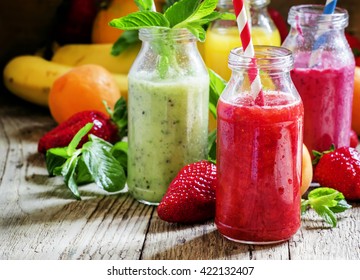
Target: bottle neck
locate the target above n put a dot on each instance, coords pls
(276, 60)
(227, 5)
(166, 35)
(310, 16)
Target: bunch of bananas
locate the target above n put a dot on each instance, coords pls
(30, 77)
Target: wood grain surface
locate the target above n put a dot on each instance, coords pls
(39, 219)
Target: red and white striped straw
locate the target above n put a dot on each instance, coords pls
(248, 47)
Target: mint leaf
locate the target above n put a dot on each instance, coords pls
(55, 157)
(326, 202)
(169, 3)
(197, 30)
(206, 8)
(77, 138)
(83, 175)
(127, 39)
(217, 85)
(180, 11)
(327, 215)
(68, 171)
(119, 116)
(145, 5)
(341, 206)
(120, 152)
(212, 109)
(97, 161)
(212, 146)
(103, 167)
(138, 20)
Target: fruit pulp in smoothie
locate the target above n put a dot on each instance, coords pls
(220, 41)
(327, 93)
(259, 168)
(168, 125)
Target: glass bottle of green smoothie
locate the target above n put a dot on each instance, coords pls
(167, 111)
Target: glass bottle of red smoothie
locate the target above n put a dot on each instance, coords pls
(323, 74)
(259, 148)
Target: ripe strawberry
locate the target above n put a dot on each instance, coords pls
(354, 140)
(61, 135)
(190, 197)
(340, 169)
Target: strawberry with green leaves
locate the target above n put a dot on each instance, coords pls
(110, 128)
(61, 135)
(339, 169)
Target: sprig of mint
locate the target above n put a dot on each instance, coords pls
(194, 15)
(96, 161)
(119, 116)
(326, 202)
(217, 85)
(190, 14)
(127, 39)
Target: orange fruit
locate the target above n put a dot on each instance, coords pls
(102, 32)
(356, 102)
(307, 170)
(84, 87)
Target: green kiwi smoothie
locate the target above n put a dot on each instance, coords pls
(168, 128)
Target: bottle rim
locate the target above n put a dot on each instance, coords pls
(311, 15)
(267, 58)
(253, 3)
(164, 33)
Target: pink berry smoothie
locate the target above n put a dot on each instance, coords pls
(327, 93)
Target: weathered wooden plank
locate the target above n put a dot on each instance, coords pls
(189, 242)
(39, 218)
(316, 240)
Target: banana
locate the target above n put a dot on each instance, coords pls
(79, 54)
(31, 77)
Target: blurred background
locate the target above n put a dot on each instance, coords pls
(27, 26)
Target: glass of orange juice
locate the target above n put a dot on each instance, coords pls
(223, 35)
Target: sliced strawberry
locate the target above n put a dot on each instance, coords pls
(61, 135)
(340, 170)
(190, 197)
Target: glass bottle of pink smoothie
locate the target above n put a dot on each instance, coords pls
(323, 74)
(259, 148)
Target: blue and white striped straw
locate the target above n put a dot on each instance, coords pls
(329, 9)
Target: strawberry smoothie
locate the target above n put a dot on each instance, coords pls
(327, 93)
(259, 168)
(168, 129)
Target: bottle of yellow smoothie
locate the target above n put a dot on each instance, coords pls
(223, 35)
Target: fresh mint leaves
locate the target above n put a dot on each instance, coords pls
(145, 5)
(326, 202)
(141, 19)
(119, 116)
(97, 161)
(217, 85)
(127, 39)
(190, 14)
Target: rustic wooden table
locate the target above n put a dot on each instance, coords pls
(39, 219)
